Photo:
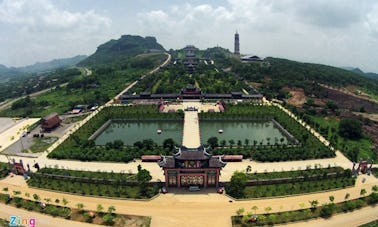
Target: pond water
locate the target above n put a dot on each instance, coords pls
(258, 131)
(131, 132)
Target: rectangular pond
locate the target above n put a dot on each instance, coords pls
(261, 131)
(131, 131)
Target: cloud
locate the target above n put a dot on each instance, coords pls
(338, 32)
(372, 21)
(39, 30)
(42, 15)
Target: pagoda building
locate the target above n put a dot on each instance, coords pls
(191, 167)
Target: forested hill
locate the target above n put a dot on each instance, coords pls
(127, 46)
(283, 72)
(12, 72)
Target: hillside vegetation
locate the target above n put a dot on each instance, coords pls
(283, 72)
(14, 73)
(116, 51)
(128, 59)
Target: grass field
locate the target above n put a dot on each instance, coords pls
(364, 144)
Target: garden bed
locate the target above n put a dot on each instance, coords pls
(297, 187)
(324, 211)
(100, 217)
(293, 174)
(87, 183)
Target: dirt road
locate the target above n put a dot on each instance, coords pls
(203, 208)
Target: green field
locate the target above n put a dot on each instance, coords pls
(330, 125)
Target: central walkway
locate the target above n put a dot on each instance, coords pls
(191, 134)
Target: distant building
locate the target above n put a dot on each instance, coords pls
(250, 58)
(50, 121)
(190, 60)
(236, 44)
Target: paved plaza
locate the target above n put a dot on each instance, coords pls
(11, 132)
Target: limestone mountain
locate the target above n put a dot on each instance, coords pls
(127, 46)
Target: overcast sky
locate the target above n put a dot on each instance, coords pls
(334, 32)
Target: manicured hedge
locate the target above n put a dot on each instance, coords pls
(78, 147)
(91, 183)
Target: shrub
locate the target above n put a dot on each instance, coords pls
(327, 210)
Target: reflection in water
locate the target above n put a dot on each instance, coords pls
(263, 132)
(131, 132)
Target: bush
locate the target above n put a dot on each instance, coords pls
(327, 210)
(350, 128)
(108, 219)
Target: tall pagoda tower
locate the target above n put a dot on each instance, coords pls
(236, 44)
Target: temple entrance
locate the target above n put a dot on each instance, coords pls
(189, 180)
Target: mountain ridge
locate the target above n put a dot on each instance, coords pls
(8, 72)
(117, 49)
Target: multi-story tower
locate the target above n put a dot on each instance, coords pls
(236, 44)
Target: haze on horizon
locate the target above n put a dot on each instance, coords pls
(332, 32)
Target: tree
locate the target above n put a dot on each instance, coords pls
(108, 219)
(353, 154)
(350, 128)
(223, 143)
(240, 211)
(36, 197)
(231, 142)
(65, 201)
(346, 196)
(327, 210)
(268, 209)
(332, 198)
(255, 208)
(143, 177)
(363, 192)
(118, 144)
(246, 142)
(169, 144)
(100, 208)
(111, 209)
(237, 184)
(213, 142)
(313, 204)
(80, 206)
(249, 169)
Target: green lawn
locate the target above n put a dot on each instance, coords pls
(364, 144)
(41, 144)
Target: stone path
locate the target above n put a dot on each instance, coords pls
(191, 132)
